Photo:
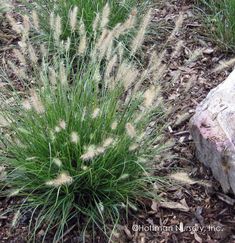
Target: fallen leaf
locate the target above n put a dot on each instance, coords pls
(208, 51)
(182, 177)
(128, 232)
(183, 202)
(181, 119)
(197, 237)
(175, 206)
(226, 198)
(154, 206)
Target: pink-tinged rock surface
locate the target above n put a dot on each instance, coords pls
(213, 131)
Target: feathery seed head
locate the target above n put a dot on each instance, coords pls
(103, 35)
(67, 44)
(57, 162)
(83, 40)
(127, 73)
(100, 150)
(93, 151)
(63, 74)
(74, 137)
(26, 25)
(95, 113)
(130, 130)
(130, 77)
(57, 129)
(62, 179)
(82, 45)
(177, 49)
(122, 69)
(150, 95)
(109, 51)
(129, 23)
(43, 50)
(120, 51)
(114, 125)
(110, 66)
(37, 103)
(105, 44)
(107, 142)
(96, 22)
(26, 105)
(20, 56)
(224, 65)
(52, 21)
(32, 54)
(178, 26)
(90, 154)
(138, 40)
(52, 76)
(73, 18)
(105, 16)
(160, 73)
(62, 124)
(35, 20)
(82, 29)
(57, 28)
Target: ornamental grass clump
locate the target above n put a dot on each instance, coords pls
(77, 143)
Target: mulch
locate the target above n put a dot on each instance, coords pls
(208, 207)
(195, 212)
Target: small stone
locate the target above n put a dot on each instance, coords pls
(208, 51)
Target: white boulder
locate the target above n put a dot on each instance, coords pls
(213, 131)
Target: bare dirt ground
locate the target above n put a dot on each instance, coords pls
(196, 211)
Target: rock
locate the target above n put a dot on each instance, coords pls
(213, 131)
